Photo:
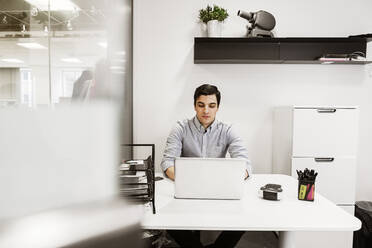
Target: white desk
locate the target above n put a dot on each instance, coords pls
(252, 213)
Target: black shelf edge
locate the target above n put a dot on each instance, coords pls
(273, 62)
(281, 39)
(291, 50)
(317, 62)
(235, 61)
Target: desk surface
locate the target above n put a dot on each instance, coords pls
(249, 213)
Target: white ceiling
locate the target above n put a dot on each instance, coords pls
(88, 24)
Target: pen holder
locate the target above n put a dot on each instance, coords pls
(306, 190)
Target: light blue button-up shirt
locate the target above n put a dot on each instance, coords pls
(190, 139)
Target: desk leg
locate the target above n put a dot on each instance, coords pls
(286, 239)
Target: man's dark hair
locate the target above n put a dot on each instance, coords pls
(206, 90)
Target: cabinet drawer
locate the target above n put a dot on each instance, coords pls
(324, 132)
(324, 239)
(335, 180)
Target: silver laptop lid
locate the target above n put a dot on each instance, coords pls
(209, 178)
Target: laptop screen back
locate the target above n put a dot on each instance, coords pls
(209, 178)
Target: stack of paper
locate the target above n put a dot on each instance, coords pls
(343, 57)
(335, 57)
(133, 183)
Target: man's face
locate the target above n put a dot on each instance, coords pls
(206, 109)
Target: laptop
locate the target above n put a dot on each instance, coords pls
(209, 178)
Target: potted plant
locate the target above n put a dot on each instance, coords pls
(213, 18)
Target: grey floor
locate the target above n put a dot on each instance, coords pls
(249, 239)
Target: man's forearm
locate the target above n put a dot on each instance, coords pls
(170, 172)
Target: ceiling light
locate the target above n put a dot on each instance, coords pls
(115, 67)
(120, 53)
(75, 12)
(12, 60)
(54, 5)
(4, 21)
(102, 44)
(68, 25)
(31, 45)
(93, 10)
(71, 60)
(120, 60)
(34, 11)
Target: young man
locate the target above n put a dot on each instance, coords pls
(204, 136)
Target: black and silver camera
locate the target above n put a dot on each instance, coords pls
(261, 23)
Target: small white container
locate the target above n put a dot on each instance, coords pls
(214, 28)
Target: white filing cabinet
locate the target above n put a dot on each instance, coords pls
(324, 139)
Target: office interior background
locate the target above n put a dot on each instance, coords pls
(165, 76)
(143, 53)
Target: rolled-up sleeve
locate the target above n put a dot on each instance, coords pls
(237, 149)
(173, 147)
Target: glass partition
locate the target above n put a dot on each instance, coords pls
(57, 52)
(65, 101)
(23, 54)
(63, 53)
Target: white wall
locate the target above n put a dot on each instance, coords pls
(165, 76)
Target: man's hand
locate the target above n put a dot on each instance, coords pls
(246, 175)
(170, 172)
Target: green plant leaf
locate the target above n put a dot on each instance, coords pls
(215, 13)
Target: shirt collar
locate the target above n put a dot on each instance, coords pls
(200, 127)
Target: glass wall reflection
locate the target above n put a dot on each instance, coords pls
(61, 51)
(69, 62)
(23, 55)
(78, 48)
(64, 53)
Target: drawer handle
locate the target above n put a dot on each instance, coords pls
(326, 110)
(324, 159)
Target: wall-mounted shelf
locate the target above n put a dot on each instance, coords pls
(274, 50)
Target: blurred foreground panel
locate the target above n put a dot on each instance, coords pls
(56, 157)
(105, 223)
